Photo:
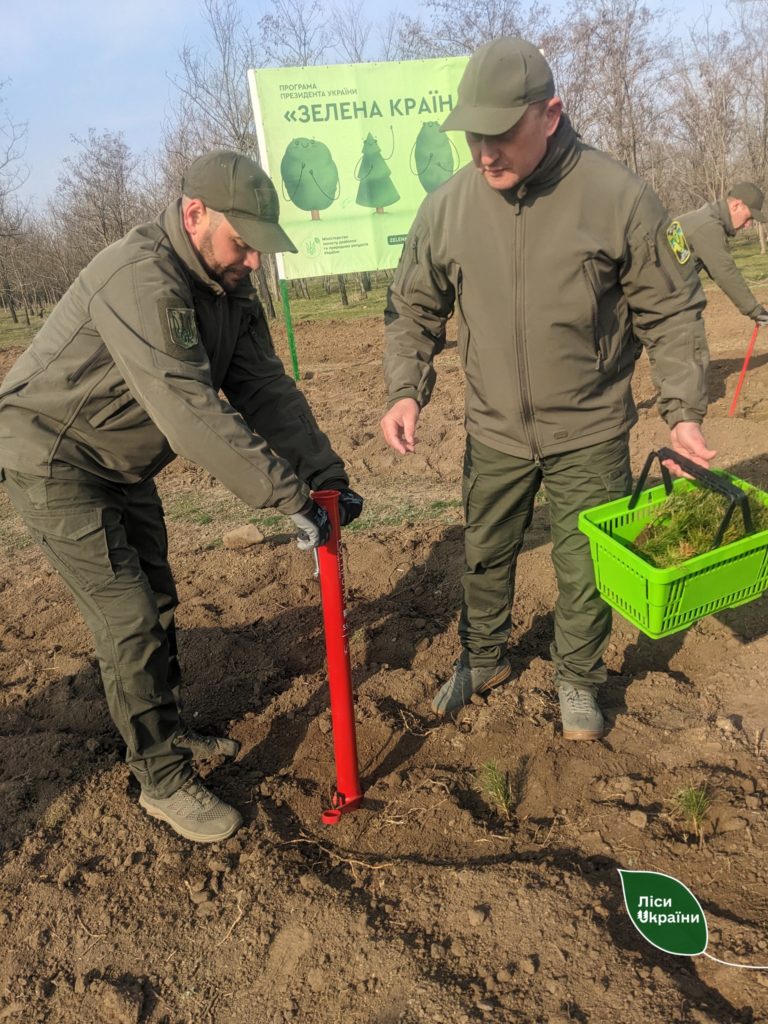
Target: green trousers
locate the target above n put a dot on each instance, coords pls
(109, 544)
(498, 493)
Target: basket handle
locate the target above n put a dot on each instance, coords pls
(713, 481)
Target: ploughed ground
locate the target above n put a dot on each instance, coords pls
(430, 904)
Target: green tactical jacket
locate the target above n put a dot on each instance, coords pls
(552, 282)
(707, 231)
(125, 375)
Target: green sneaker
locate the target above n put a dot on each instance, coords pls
(465, 681)
(194, 812)
(205, 748)
(582, 718)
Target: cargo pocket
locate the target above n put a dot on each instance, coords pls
(76, 545)
(612, 467)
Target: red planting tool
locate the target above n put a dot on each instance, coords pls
(743, 373)
(348, 795)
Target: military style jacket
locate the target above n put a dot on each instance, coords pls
(707, 231)
(125, 375)
(552, 282)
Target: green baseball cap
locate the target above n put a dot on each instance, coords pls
(499, 83)
(752, 198)
(236, 186)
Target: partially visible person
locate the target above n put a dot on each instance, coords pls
(123, 377)
(704, 233)
(555, 258)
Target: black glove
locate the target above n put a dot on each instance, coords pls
(350, 505)
(314, 526)
(761, 317)
(350, 502)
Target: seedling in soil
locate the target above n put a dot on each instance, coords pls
(686, 524)
(494, 784)
(692, 804)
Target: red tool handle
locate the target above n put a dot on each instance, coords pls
(348, 795)
(743, 373)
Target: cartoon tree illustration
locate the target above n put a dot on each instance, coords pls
(310, 177)
(376, 189)
(432, 154)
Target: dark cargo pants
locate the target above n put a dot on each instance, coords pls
(498, 493)
(109, 544)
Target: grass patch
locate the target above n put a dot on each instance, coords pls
(745, 250)
(405, 511)
(13, 335)
(322, 306)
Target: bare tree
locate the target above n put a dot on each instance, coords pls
(98, 197)
(13, 171)
(610, 64)
(350, 31)
(455, 27)
(296, 33)
(706, 116)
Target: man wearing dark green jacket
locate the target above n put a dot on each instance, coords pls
(124, 376)
(705, 233)
(556, 259)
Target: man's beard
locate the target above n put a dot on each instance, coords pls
(230, 278)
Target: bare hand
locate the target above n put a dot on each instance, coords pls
(399, 425)
(687, 439)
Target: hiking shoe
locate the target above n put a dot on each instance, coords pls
(582, 718)
(194, 812)
(207, 747)
(465, 681)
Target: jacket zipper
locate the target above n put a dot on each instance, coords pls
(591, 292)
(518, 294)
(654, 254)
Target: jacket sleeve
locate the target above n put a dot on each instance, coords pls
(419, 302)
(168, 374)
(259, 388)
(711, 248)
(667, 302)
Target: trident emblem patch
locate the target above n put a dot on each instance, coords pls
(183, 328)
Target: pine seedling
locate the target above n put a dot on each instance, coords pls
(692, 804)
(494, 784)
(686, 523)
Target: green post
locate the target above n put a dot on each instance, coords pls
(289, 327)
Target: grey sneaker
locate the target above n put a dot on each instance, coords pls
(207, 747)
(465, 681)
(582, 718)
(194, 812)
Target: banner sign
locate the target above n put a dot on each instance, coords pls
(353, 149)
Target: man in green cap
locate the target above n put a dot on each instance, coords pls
(556, 259)
(704, 234)
(124, 376)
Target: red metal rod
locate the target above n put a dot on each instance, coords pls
(348, 795)
(743, 373)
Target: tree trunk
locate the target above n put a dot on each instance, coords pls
(265, 294)
(342, 290)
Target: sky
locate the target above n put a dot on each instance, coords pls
(71, 65)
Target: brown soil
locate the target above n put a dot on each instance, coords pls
(427, 905)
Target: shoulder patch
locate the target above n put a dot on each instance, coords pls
(182, 326)
(677, 242)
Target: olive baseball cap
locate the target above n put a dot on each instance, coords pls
(499, 83)
(752, 198)
(236, 186)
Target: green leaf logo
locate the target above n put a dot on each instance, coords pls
(665, 912)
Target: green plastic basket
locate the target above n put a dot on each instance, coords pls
(664, 601)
